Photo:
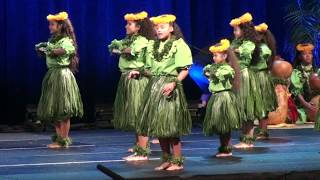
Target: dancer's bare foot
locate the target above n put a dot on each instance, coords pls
(54, 146)
(242, 145)
(174, 167)
(130, 150)
(155, 141)
(163, 166)
(282, 125)
(218, 155)
(134, 157)
(262, 137)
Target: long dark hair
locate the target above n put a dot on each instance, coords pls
(177, 31)
(268, 38)
(233, 61)
(146, 28)
(68, 30)
(249, 33)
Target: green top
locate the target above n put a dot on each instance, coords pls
(300, 81)
(174, 55)
(220, 76)
(66, 44)
(136, 59)
(265, 53)
(246, 49)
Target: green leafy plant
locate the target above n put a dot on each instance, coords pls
(303, 21)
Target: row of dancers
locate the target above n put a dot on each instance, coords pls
(154, 59)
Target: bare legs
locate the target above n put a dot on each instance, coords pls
(141, 150)
(247, 138)
(171, 162)
(263, 129)
(166, 153)
(62, 134)
(225, 150)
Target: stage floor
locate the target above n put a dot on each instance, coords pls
(23, 156)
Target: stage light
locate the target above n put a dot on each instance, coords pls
(196, 74)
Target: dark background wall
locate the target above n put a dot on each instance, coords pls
(23, 24)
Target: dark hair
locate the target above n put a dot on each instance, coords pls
(297, 61)
(233, 61)
(268, 38)
(68, 30)
(146, 28)
(249, 33)
(177, 31)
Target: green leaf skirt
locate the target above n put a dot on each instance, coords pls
(128, 100)
(162, 116)
(222, 114)
(245, 96)
(265, 99)
(60, 97)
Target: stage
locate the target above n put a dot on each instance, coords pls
(24, 156)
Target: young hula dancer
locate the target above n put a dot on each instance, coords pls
(131, 49)
(222, 114)
(60, 97)
(245, 46)
(300, 87)
(164, 113)
(265, 86)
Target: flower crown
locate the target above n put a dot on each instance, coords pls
(305, 47)
(221, 47)
(61, 16)
(136, 17)
(263, 27)
(165, 18)
(247, 17)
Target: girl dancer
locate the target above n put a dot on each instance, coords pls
(222, 114)
(131, 49)
(265, 86)
(300, 87)
(245, 45)
(164, 113)
(60, 97)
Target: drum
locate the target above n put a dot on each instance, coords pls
(314, 82)
(281, 69)
(313, 115)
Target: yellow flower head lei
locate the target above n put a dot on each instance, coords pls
(305, 47)
(247, 17)
(263, 27)
(165, 18)
(221, 47)
(136, 17)
(58, 17)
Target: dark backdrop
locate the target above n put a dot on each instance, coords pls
(23, 24)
